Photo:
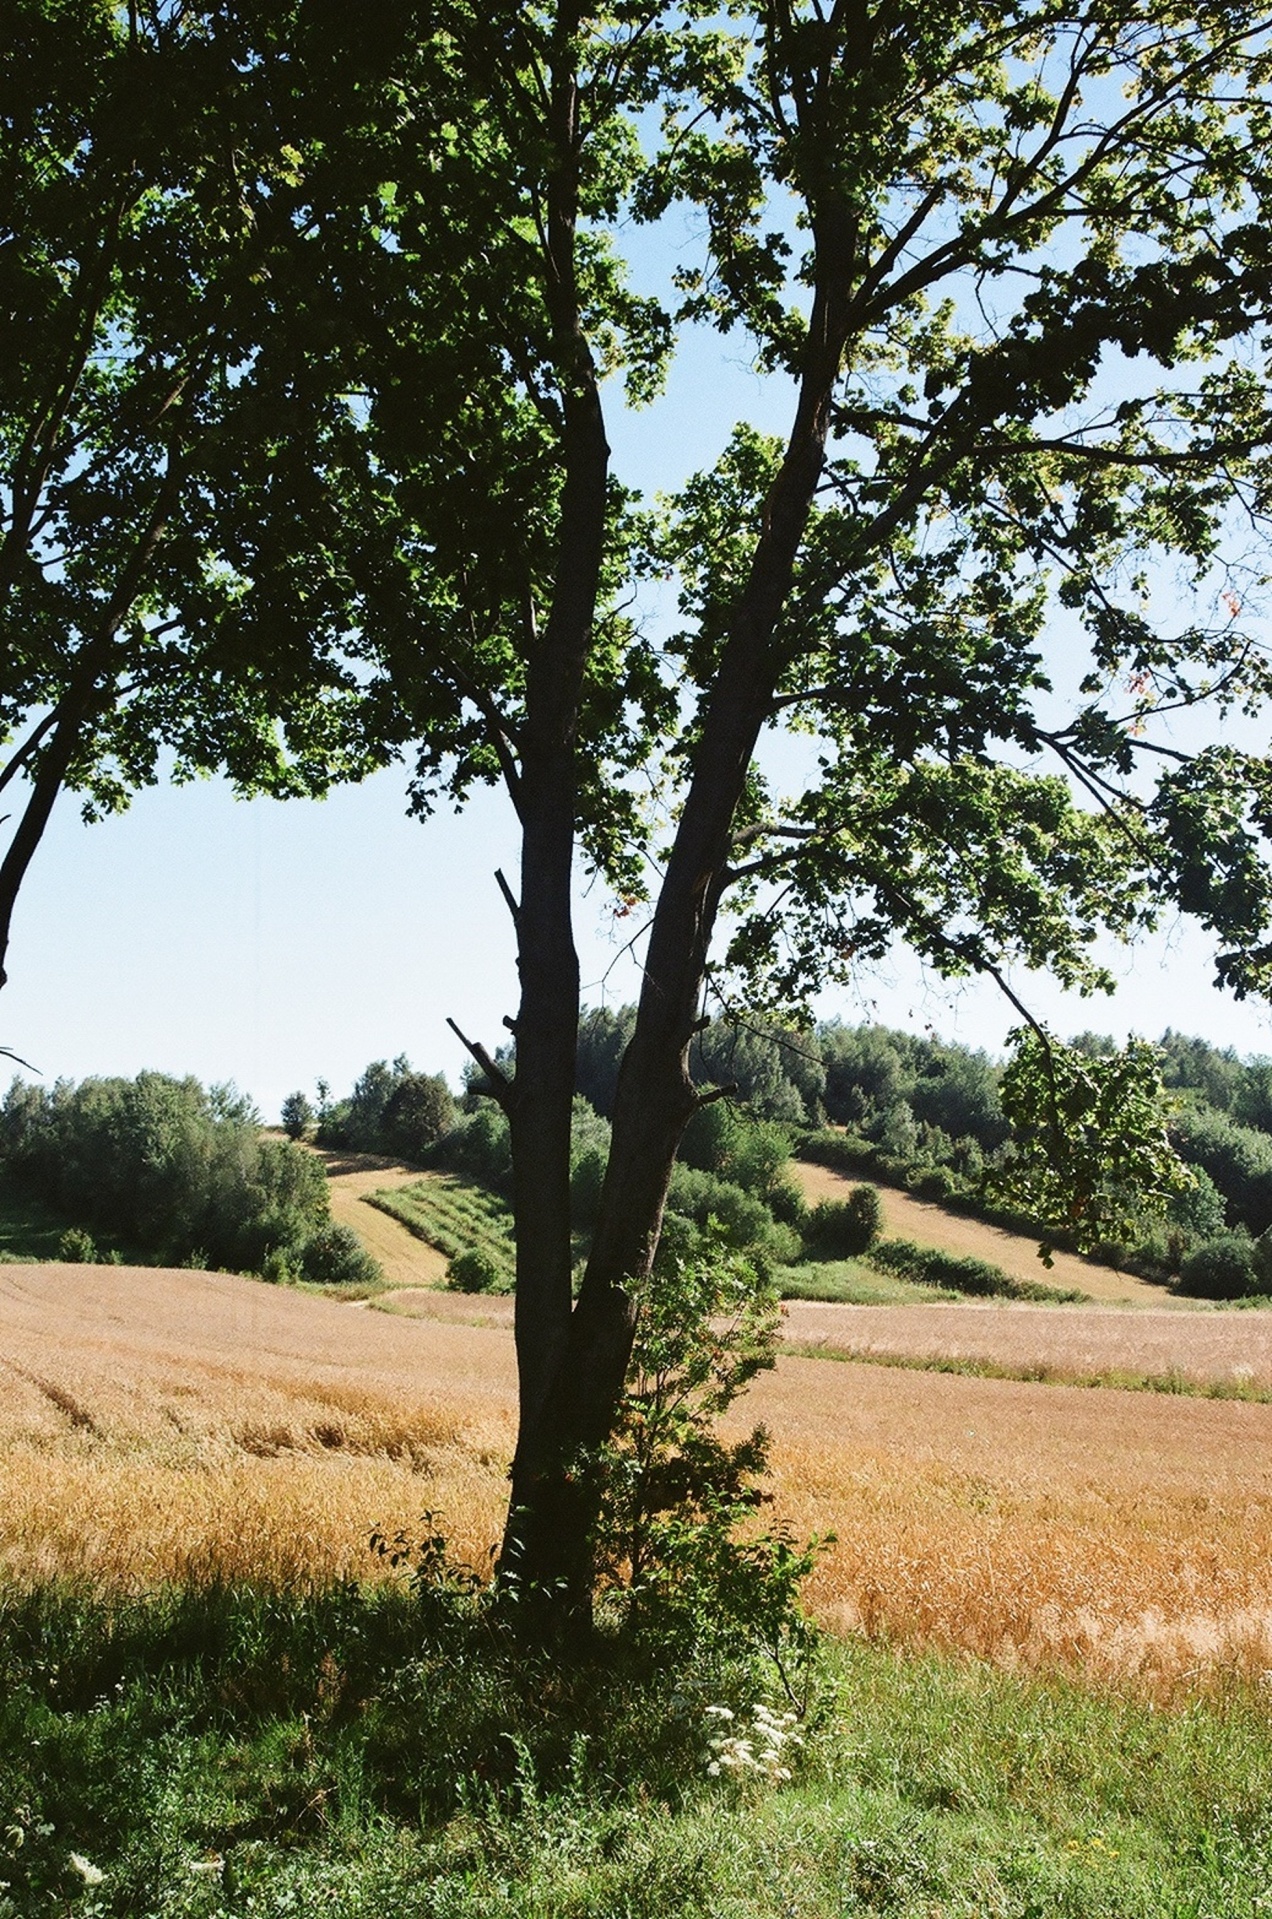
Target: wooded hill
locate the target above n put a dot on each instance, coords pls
(907, 1109)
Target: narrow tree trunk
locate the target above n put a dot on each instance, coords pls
(541, 1099)
(655, 1096)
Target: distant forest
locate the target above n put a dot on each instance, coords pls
(906, 1109)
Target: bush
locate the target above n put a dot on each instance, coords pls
(750, 1153)
(925, 1266)
(676, 1541)
(335, 1256)
(1237, 1158)
(475, 1271)
(745, 1222)
(1221, 1268)
(587, 1175)
(77, 1247)
(844, 1228)
(478, 1147)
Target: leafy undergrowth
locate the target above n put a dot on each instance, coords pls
(456, 1217)
(30, 1230)
(219, 1752)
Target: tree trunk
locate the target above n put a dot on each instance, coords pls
(655, 1095)
(540, 1102)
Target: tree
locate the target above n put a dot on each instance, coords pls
(297, 1115)
(1012, 263)
(157, 347)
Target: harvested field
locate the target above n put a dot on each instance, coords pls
(352, 1177)
(162, 1425)
(1223, 1350)
(905, 1217)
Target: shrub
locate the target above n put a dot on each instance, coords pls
(1220, 1268)
(748, 1152)
(676, 1540)
(745, 1222)
(1237, 1158)
(925, 1266)
(77, 1247)
(587, 1176)
(844, 1228)
(478, 1147)
(335, 1256)
(475, 1271)
(297, 1115)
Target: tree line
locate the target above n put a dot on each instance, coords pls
(174, 1173)
(906, 1108)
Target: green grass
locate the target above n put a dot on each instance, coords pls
(339, 1757)
(853, 1282)
(454, 1216)
(1039, 1373)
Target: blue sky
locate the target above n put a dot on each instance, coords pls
(273, 944)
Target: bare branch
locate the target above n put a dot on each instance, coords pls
(502, 1089)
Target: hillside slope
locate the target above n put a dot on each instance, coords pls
(905, 1217)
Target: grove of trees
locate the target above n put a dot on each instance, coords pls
(173, 1171)
(320, 470)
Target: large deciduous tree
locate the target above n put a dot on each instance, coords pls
(1011, 266)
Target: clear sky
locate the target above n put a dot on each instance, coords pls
(273, 944)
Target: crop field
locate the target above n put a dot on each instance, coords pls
(920, 1220)
(181, 1425)
(1220, 1352)
(453, 1216)
(405, 1259)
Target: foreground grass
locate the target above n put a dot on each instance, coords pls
(217, 1752)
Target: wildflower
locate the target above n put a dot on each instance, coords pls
(91, 1875)
(757, 1749)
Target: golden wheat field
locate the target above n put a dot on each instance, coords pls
(161, 1425)
(1225, 1350)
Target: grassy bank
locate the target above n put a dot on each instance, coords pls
(238, 1753)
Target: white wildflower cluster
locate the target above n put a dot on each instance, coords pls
(755, 1747)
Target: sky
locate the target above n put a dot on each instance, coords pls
(275, 944)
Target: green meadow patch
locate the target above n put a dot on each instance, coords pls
(226, 1752)
(456, 1217)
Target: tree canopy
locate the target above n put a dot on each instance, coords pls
(159, 345)
(1010, 263)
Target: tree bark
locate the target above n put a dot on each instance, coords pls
(541, 1099)
(655, 1095)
